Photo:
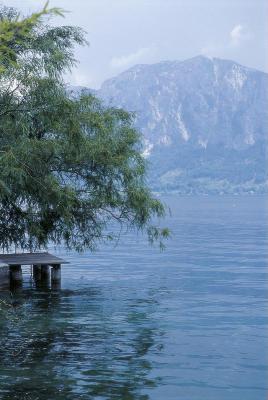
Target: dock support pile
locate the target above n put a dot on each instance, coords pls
(45, 267)
(42, 274)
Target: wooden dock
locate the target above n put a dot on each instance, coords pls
(45, 266)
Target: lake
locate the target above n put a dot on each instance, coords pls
(133, 323)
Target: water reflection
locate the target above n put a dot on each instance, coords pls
(63, 344)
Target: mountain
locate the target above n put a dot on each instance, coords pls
(204, 122)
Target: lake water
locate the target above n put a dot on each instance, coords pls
(132, 323)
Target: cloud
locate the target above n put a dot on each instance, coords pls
(238, 34)
(79, 78)
(127, 60)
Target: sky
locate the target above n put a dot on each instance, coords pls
(123, 33)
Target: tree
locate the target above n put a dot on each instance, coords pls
(69, 166)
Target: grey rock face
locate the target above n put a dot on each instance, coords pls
(204, 123)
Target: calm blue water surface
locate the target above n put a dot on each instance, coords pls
(132, 323)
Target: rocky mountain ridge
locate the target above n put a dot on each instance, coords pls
(204, 122)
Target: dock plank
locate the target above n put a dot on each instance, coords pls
(31, 258)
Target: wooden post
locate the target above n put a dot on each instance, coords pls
(37, 272)
(4, 276)
(15, 274)
(55, 273)
(45, 272)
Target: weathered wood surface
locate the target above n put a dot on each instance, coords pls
(4, 275)
(56, 273)
(15, 274)
(30, 259)
(45, 272)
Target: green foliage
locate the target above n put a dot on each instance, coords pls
(69, 166)
(17, 33)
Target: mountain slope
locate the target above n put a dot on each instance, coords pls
(204, 123)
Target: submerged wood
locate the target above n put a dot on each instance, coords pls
(4, 275)
(15, 273)
(37, 272)
(45, 272)
(56, 273)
